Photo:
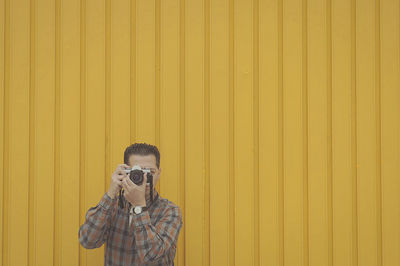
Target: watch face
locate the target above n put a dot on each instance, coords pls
(138, 209)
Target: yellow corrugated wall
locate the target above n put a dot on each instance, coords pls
(278, 123)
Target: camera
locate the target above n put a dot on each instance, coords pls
(136, 175)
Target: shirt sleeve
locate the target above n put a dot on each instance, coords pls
(94, 231)
(154, 241)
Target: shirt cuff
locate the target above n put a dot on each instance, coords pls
(106, 201)
(142, 218)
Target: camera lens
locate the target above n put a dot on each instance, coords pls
(136, 176)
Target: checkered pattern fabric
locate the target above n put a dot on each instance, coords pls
(150, 239)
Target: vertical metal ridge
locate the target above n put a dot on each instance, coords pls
(6, 136)
(378, 131)
(57, 118)
(206, 238)
(182, 183)
(256, 74)
(107, 91)
(157, 71)
(133, 73)
(231, 199)
(329, 162)
(304, 112)
(354, 135)
(281, 198)
(157, 64)
(32, 122)
(83, 126)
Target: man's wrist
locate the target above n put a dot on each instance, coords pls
(141, 204)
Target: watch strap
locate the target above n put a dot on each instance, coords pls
(143, 208)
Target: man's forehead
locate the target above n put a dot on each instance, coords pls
(143, 160)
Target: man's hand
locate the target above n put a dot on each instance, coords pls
(116, 180)
(135, 194)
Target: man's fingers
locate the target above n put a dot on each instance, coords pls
(124, 185)
(123, 166)
(120, 177)
(129, 182)
(121, 172)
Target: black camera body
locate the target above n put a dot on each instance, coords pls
(136, 175)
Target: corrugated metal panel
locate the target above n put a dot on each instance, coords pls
(278, 124)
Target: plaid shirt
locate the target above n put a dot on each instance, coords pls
(150, 239)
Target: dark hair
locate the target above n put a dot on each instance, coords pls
(142, 149)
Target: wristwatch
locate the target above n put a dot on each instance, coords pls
(139, 209)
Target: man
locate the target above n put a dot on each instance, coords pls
(146, 235)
